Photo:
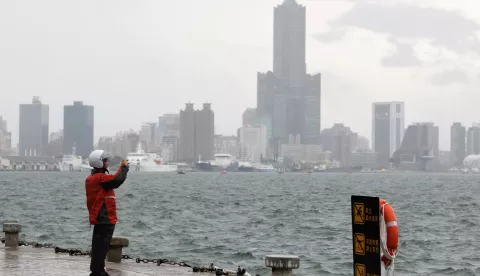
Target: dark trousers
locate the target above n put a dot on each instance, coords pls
(102, 235)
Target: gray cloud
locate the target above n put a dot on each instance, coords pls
(449, 77)
(403, 57)
(443, 28)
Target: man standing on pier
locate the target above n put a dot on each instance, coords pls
(102, 207)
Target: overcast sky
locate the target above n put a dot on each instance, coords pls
(135, 60)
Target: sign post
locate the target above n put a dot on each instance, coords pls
(366, 235)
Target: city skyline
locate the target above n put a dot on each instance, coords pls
(387, 63)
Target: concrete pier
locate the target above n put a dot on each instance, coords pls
(282, 265)
(114, 255)
(11, 230)
(38, 261)
(28, 261)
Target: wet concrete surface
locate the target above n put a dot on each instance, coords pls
(23, 261)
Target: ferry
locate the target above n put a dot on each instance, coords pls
(142, 161)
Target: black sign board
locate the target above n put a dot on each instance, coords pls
(366, 236)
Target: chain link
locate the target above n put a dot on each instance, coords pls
(77, 252)
(72, 252)
(33, 244)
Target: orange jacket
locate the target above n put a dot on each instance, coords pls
(101, 203)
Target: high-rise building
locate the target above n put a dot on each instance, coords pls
(473, 140)
(169, 124)
(419, 149)
(33, 128)
(56, 135)
(78, 129)
(457, 144)
(172, 142)
(121, 144)
(253, 143)
(187, 134)
(5, 138)
(329, 139)
(148, 136)
(226, 144)
(289, 97)
(55, 144)
(250, 117)
(197, 133)
(205, 132)
(363, 144)
(343, 148)
(365, 159)
(388, 119)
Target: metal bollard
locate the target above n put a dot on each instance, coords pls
(11, 230)
(114, 254)
(282, 265)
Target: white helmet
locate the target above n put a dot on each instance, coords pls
(95, 159)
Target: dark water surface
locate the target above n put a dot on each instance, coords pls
(238, 218)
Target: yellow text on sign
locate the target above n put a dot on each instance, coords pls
(359, 244)
(360, 270)
(368, 215)
(358, 213)
(371, 246)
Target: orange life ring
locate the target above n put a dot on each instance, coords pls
(391, 226)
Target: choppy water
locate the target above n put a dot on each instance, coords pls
(236, 219)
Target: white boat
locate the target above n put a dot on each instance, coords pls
(263, 168)
(245, 166)
(142, 161)
(320, 168)
(222, 162)
(72, 162)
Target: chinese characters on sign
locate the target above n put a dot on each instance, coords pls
(369, 216)
(366, 235)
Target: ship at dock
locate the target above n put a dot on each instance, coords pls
(141, 161)
(245, 166)
(221, 162)
(259, 167)
(73, 163)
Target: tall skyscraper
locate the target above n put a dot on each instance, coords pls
(33, 128)
(197, 133)
(289, 37)
(205, 132)
(253, 143)
(388, 129)
(419, 149)
(288, 97)
(343, 148)
(457, 144)
(473, 140)
(5, 138)
(78, 126)
(187, 134)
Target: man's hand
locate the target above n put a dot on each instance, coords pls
(124, 164)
